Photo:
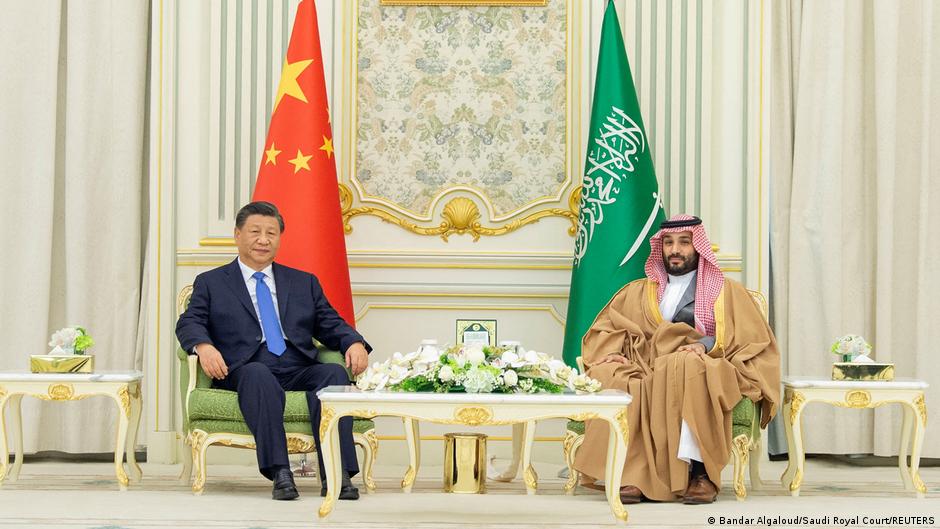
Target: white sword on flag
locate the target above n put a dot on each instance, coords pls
(657, 204)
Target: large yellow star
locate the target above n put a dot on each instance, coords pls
(289, 85)
(271, 155)
(327, 146)
(300, 162)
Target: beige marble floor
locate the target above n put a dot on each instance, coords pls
(84, 495)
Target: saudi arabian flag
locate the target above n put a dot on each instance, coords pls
(620, 203)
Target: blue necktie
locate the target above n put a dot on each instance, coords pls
(272, 328)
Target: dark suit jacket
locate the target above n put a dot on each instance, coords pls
(220, 312)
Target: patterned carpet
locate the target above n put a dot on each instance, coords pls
(85, 496)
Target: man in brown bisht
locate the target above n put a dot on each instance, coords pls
(687, 344)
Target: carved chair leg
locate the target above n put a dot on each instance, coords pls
(740, 453)
(571, 444)
(370, 447)
(199, 446)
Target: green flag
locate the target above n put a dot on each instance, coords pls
(621, 207)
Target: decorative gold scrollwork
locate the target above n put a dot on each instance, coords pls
(473, 416)
(364, 414)
(409, 478)
(60, 392)
(797, 480)
(326, 507)
(921, 406)
(531, 478)
(461, 216)
(3, 392)
(326, 415)
(919, 483)
(298, 445)
(125, 401)
(796, 400)
(624, 425)
(858, 399)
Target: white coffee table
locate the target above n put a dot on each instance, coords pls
(122, 386)
(909, 393)
(473, 409)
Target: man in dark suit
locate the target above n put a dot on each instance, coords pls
(252, 323)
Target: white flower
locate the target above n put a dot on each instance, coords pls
(510, 378)
(479, 381)
(446, 374)
(64, 337)
(475, 355)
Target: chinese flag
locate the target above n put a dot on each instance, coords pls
(298, 172)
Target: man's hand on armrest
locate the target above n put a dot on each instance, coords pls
(697, 348)
(357, 358)
(211, 361)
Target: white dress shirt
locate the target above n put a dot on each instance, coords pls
(252, 285)
(675, 289)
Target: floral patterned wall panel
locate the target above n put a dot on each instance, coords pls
(468, 97)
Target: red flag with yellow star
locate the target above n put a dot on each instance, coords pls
(298, 173)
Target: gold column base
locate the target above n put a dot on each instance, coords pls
(465, 463)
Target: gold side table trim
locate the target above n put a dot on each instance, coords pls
(122, 388)
(797, 394)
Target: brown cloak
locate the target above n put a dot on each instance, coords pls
(667, 386)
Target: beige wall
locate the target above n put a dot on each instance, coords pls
(699, 69)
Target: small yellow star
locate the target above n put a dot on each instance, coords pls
(288, 84)
(272, 155)
(327, 146)
(300, 162)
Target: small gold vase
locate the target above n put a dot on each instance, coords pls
(465, 463)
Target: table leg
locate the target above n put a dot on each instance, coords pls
(796, 432)
(529, 475)
(518, 436)
(331, 461)
(16, 401)
(907, 425)
(124, 412)
(134, 425)
(788, 474)
(920, 424)
(4, 449)
(616, 457)
(413, 440)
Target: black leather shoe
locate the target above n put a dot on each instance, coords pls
(346, 492)
(284, 488)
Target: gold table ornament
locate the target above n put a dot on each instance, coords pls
(863, 371)
(856, 394)
(465, 463)
(62, 363)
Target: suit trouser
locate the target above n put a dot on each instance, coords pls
(261, 384)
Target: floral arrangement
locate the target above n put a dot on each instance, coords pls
(70, 340)
(852, 348)
(475, 369)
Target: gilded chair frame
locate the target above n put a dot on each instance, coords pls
(194, 467)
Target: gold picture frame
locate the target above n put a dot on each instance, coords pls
(511, 3)
(473, 331)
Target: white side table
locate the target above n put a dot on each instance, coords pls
(122, 386)
(909, 393)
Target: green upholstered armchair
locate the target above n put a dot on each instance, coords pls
(212, 416)
(745, 436)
